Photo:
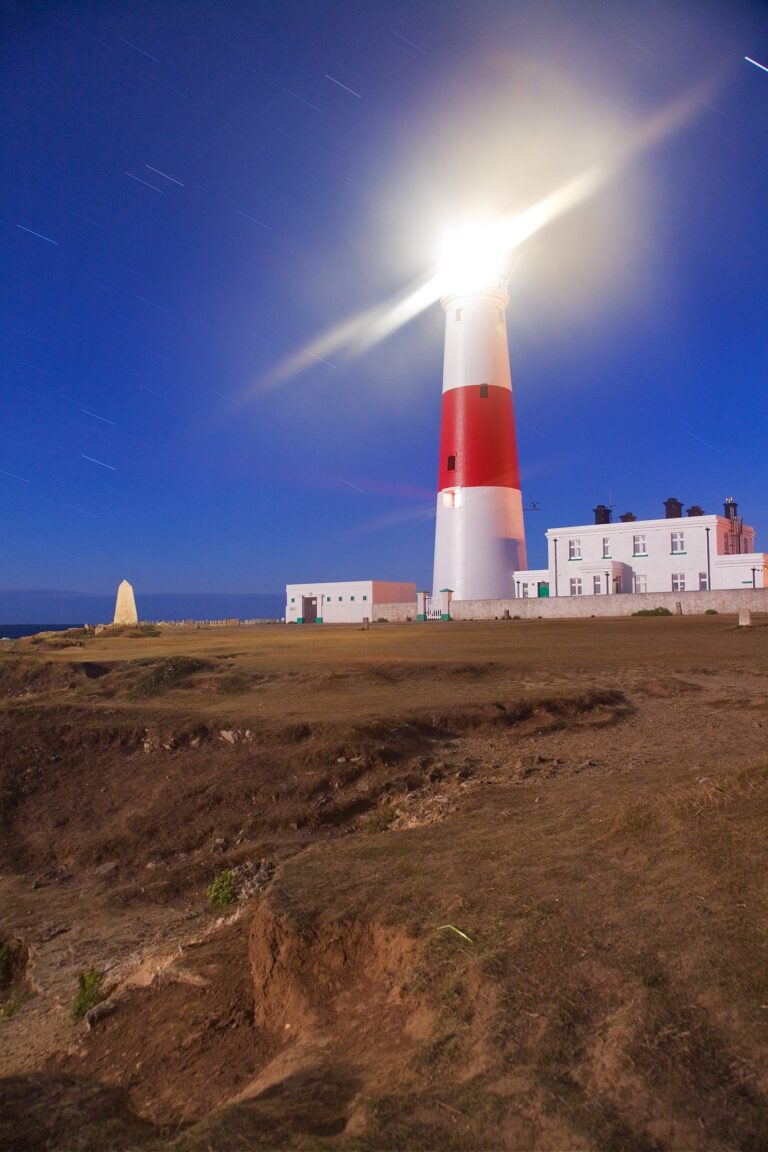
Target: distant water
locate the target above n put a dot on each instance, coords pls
(14, 631)
(63, 607)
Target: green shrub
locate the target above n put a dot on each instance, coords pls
(711, 612)
(167, 674)
(653, 612)
(382, 819)
(223, 891)
(235, 683)
(88, 993)
(11, 1006)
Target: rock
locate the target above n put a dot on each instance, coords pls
(229, 735)
(98, 1012)
(195, 742)
(106, 868)
(341, 759)
(435, 776)
(745, 618)
(464, 774)
(219, 845)
(181, 976)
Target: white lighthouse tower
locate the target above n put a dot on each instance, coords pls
(479, 535)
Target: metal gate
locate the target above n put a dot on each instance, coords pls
(432, 607)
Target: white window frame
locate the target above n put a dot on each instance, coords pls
(597, 585)
(574, 549)
(606, 547)
(641, 578)
(678, 581)
(577, 588)
(677, 543)
(703, 582)
(639, 545)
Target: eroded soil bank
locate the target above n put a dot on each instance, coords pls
(498, 886)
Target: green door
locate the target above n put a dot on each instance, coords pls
(543, 590)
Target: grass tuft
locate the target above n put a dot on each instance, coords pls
(223, 891)
(88, 993)
(172, 673)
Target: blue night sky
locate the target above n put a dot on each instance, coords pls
(217, 184)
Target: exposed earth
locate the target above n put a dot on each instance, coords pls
(493, 886)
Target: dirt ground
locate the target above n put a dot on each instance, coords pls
(497, 885)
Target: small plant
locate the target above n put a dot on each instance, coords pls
(235, 683)
(711, 612)
(11, 1006)
(653, 612)
(382, 819)
(88, 993)
(172, 673)
(223, 891)
(5, 965)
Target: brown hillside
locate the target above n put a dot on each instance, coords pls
(499, 886)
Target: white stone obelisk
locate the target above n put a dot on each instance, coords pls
(125, 605)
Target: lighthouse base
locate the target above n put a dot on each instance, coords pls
(479, 542)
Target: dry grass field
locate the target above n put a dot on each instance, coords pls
(491, 886)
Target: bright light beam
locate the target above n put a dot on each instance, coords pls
(504, 235)
(751, 61)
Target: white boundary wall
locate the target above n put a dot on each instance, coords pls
(562, 607)
(395, 613)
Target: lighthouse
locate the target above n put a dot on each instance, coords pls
(479, 533)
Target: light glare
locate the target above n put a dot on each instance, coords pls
(472, 257)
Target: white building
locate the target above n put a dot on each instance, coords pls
(342, 602)
(674, 554)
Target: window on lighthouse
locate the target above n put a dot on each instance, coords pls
(451, 463)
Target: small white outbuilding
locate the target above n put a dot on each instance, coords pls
(343, 601)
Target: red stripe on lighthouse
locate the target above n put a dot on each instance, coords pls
(478, 448)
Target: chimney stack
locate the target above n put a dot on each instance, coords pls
(627, 517)
(730, 508)
(695, 510)
(674, 508)
(602, 514)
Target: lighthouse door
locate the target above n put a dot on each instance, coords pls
(309, 609)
